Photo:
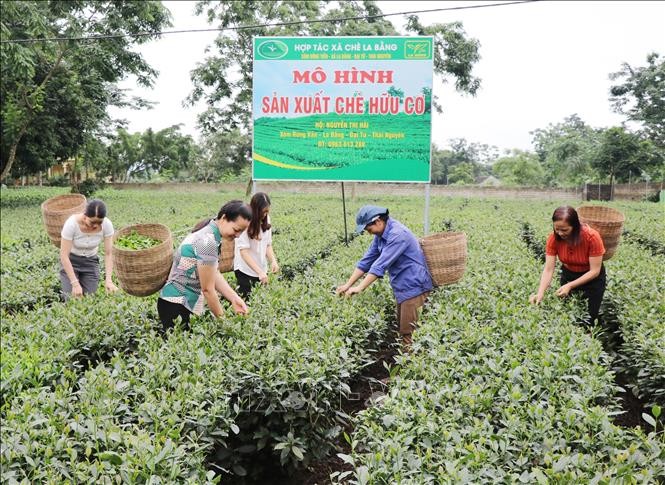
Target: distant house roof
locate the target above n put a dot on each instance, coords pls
(488, 180)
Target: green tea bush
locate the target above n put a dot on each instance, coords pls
(42, 346)
(634, 303)
(635, 281)
(11, 198)
(70, 436)
(28, 275)
(226, 385)
(494, 391)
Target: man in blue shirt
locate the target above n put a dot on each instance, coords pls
(394, 249)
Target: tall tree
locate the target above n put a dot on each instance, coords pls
(439, 170)
(167, 149)
(224, 79)
(519, 168)
(566, 150)
(132, 155)
(477, 156)
(462, 173)
(43, 78)
(221, 156)
(621, 153)
(454, 53)
(67, 117)
(124, 153)
(641, 96)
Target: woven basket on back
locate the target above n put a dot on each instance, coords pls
(143, 272)
(56, 210)
(226, 257)
(607, 221)
(445, 253)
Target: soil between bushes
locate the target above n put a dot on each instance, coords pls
(362, 388)
(632, 406)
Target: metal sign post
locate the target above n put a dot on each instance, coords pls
(427, 187)
(346, 233)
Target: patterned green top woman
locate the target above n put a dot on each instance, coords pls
(194, 279)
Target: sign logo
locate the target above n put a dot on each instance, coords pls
(416, 49)
(273, 49)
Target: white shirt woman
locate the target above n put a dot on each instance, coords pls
(80, 238)
(253, 249)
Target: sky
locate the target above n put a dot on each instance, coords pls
(540, 63)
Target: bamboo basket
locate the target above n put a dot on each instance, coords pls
(56, 211)
(143, 272)
(445, 253)
(227, 255)
(607, 221)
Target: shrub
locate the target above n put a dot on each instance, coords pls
(89, 186)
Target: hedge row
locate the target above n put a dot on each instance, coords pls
(635, 290)
(216, 399)
(44, 346)
(28, 196)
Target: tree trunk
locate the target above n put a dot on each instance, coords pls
(611, 186)
(73, 179)
(12, 152)
(24, 128)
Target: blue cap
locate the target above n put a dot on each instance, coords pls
(367, 214)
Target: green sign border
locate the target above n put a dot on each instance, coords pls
(372, 49)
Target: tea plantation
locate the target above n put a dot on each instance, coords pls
(494, 390)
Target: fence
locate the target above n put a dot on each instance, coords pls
(637, 191)
(353, 189)
(598, 192)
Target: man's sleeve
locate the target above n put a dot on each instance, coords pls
(391, 251)
(370, 256)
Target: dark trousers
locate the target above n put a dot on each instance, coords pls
(592, 291)
(86, 270)
(245, 283)
(169, 311)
